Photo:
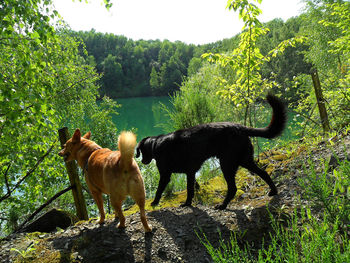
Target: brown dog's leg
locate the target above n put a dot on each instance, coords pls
(140, 201)
(144, 220)
(99, 201)
(117, 202)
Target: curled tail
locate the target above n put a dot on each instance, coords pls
(126, 145)
(278, 120)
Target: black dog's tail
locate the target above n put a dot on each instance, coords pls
(278, 120)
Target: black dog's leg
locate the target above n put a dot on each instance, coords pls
(252, 166)
(229, 171)
(163, 182)
(196, 185)
(190, 189)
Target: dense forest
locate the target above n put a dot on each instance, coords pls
(52, 77)
(152, 67)
(137, 68)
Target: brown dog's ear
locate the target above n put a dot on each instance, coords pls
(87, 135)
(76, 136)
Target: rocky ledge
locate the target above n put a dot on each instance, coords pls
(178, 232)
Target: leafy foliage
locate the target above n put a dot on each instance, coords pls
(45, 84)
(197, 101)
(325, 24)
(245, 60)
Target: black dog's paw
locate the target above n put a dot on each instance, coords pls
(273, 192)
(220, 207)
(154, 203)
(186, 205)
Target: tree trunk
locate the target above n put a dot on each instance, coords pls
(72, 170)
(320, 101)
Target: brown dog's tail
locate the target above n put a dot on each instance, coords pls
(278, 120)
(126, 145)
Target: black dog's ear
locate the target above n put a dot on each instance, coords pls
(138, 151)
(140, 145)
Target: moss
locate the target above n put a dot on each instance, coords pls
(269, 169)
(210, 193)
(264, 161)
(41, 253)
(33, 235)
(82, 222)
(279, 157)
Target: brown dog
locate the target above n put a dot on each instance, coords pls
(115, 173)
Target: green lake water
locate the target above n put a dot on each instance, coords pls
(144, 114)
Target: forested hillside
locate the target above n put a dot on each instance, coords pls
(136, 68)
(152, 67)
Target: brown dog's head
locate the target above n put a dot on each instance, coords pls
(71, 147)
(145, 146)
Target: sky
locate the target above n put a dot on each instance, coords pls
(189, 21)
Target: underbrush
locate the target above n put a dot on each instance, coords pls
(317, 231)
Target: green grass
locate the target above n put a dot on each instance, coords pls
(305, 237)
(313, 241)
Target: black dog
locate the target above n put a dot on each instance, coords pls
(184, 151)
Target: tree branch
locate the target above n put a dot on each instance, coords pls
(6, 180)
(10, 191)
(74, 84)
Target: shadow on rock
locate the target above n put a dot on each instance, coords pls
(95, 243)
(182, 226)
(186, 227)
(254, 225)
(176, 235)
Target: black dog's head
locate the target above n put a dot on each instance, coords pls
(145, 146)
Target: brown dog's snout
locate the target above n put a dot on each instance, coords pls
(64, 154)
